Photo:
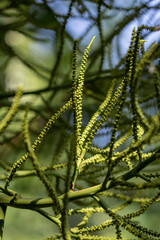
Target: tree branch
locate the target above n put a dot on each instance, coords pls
(36, 203)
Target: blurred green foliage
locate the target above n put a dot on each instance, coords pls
(36, 49)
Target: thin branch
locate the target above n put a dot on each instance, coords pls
(33, 203)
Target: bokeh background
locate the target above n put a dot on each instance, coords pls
(36, 44)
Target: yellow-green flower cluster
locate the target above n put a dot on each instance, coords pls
(12, 111)
(39, 139)
(40, 174)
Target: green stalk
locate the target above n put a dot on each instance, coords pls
(2, 218)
